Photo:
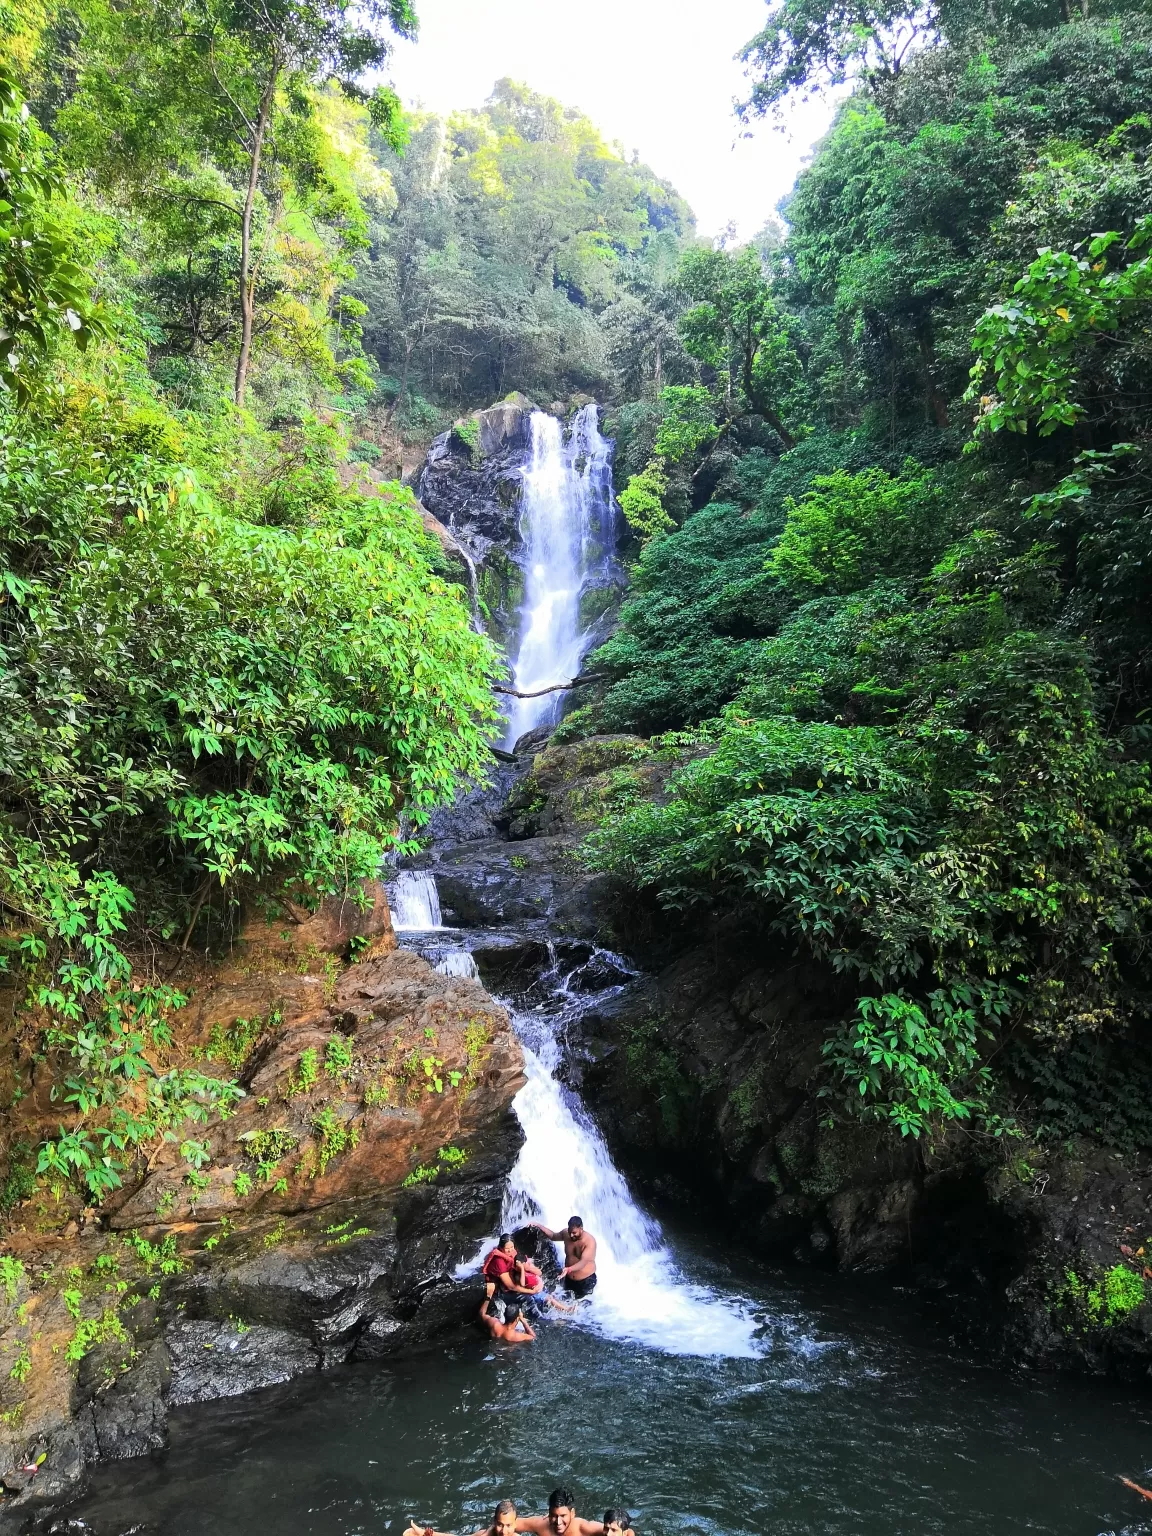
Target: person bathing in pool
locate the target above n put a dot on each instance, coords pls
(503, 1523)
(579, 1273)
(536, 1302)
(515, 1328)
(561, 1519)
(618, 1522)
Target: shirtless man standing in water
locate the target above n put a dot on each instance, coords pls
(579, 1272)
(561, 1519)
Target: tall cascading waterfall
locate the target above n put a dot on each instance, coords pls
(564, 1166)
(568, 527)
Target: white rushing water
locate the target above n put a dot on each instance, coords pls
(565, 1169)
(414, 901)
(456, 962)
(567, 503)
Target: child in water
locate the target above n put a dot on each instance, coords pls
(618, 1522)
(528, 1274)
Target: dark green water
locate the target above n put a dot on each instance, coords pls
(852, 1421)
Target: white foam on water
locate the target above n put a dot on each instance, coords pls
(564, 1169)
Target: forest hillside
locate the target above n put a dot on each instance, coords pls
(885, 469)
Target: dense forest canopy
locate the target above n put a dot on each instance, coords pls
(886, 471)
(510, 253)
(896, 571)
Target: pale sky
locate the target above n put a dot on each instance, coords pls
(658, 75)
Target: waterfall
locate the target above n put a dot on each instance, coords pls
(414, 901)
(567, 523)
(456, 962)
(564, 1169)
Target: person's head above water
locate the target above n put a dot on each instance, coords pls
(575, 1226)
(507, 1243)
(616, 1522)
(504, 1520)
(511, 1311)
(561, 1510)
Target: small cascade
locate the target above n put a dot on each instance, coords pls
(564, 1168)
(568, 524)
(456, 962)
(414, 901)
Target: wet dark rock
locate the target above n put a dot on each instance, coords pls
(471, 483)
(211, 1360)
(127, 1416)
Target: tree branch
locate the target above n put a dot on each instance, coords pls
(536, 693)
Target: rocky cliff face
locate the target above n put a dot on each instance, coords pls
(471, 484)
(365, 1162)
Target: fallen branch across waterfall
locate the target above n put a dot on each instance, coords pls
(577, 682)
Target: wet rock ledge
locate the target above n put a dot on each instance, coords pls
(365, 1162)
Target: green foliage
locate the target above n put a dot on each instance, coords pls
(642, 504)
(234, 1043)
(1102, 1299)
(156, 1258)
(91, 1331)
(426, 1173)
(849, 529)
(267, 1149)
(338, 1055)
(332, 1137)
(932, 668)
(20, 1179)
(735, 327)
(161, 743)
(909, 1063)
(12, 1272)
(44, 292)
(221, 132)
(1067, 304)
(304, 1075)
(688, 423)
(512, 228)
(468, 433)
(688, 628)
(938, 860)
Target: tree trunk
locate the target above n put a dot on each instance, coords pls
(657, 372)
(247, 282)
(935, 400)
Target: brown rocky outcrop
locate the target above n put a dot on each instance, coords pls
(363, 1164)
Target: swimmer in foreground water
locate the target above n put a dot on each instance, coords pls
(618, 1522)
(515, 1329)
(503, 1523)
(561, 1519)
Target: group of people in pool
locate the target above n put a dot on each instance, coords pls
(561, 1520)
(514, 1291)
